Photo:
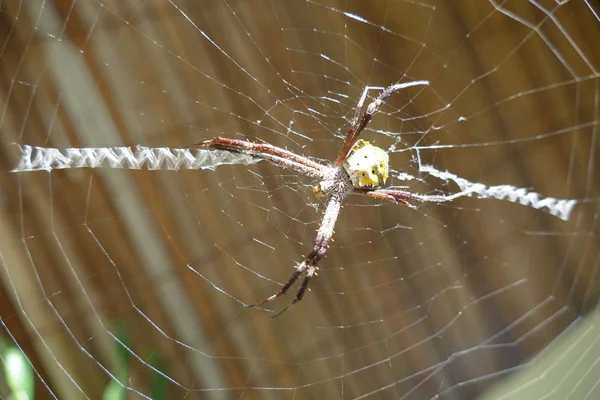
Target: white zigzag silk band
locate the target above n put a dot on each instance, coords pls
(35, 158)
(560, 208)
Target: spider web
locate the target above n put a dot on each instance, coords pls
(137, 280)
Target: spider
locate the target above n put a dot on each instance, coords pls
(360, 168)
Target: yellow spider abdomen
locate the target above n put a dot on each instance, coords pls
(367, 165)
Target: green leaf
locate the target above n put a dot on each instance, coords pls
(158, 383)
(19, 373)
(114, 391)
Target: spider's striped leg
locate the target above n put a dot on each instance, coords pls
(276, 155)
(311, 271)
(311, 262)
(299, 271)
(358, 124)
(401, 196)
(354, 130)
(320, 246)
(388, 197)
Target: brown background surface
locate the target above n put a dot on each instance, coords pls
(444, 300)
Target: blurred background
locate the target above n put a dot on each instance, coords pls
(132, 284)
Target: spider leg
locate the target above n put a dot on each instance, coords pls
(299, 271)
(310, 264)
(358, 124)
(401, 196)
(311, 271)
(276, 155)
(386, 197)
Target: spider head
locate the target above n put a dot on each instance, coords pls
(367, 165)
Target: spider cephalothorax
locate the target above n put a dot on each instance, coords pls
(360, 168)
(335, 181)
